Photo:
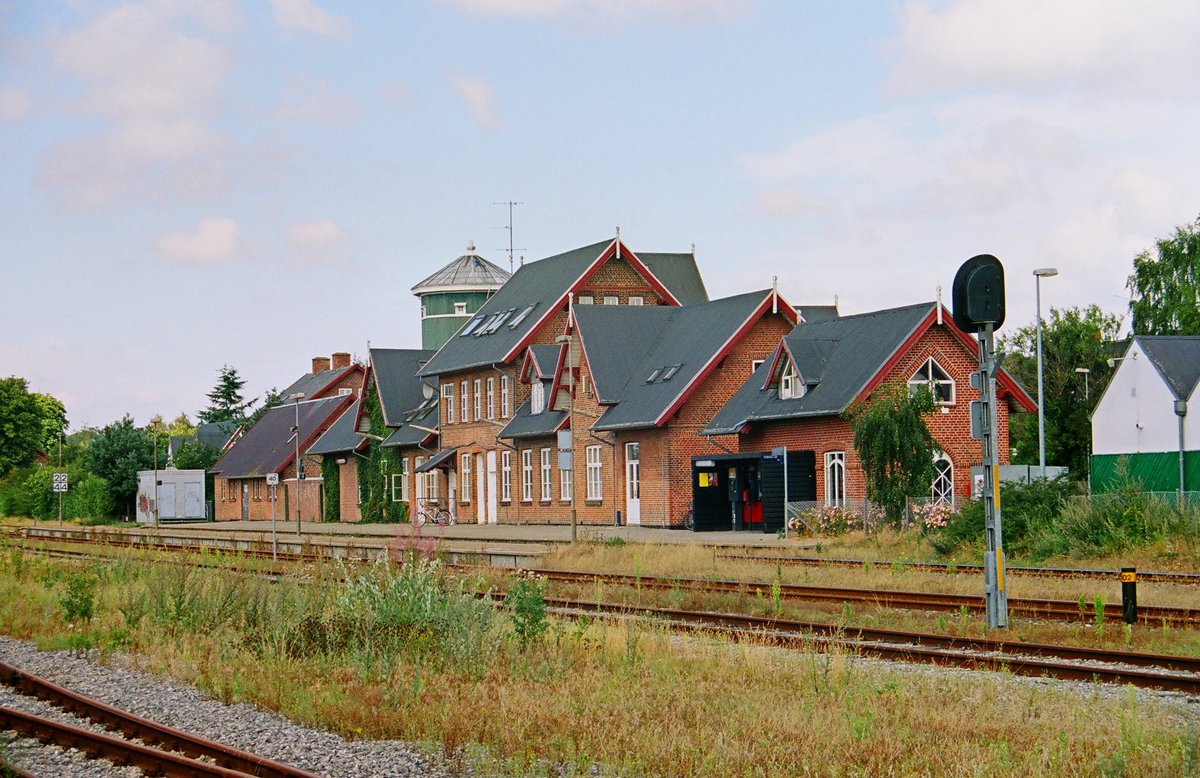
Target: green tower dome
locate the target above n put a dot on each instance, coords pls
(453, 294)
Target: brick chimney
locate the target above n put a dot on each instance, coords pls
(340, 359)
(320, 364)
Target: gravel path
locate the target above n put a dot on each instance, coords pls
(185, 708)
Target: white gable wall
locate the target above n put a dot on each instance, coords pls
(1137, 413)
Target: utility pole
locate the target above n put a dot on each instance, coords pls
(60, 494)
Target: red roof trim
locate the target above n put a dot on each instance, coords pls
(319, 430)
(368, 374)
(1002, 378)
(785, 310)
(779, 351)
(638, 265)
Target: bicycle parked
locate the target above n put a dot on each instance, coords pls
(431, 511)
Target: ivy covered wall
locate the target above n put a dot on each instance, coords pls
(376, 468)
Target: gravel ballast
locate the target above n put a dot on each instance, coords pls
(186, 708)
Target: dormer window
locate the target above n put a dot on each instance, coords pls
(537, 398)
(931, 375)
(790, 385)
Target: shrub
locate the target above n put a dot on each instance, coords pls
(527, 600)
(79, 600)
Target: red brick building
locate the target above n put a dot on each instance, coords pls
(477, 472)
(797, 399)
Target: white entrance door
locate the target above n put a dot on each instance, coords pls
(493, 507)
(480, 496)
(633, 484)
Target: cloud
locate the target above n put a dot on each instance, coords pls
(621, 10)
(212, 240)
(306, 16)
(317, 241)
(15, 105)
(317, 101)
(154, 160)
(138, 60)
(153, 72)
(480, 98)
(1048, 44)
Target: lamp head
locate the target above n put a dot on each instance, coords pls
(1045, 272)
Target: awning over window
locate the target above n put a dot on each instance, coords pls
(443, 458)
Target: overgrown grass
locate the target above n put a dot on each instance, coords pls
(411, 654)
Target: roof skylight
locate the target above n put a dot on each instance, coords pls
(654, 376)
(670, 372)
(471, 327)
(512, 325)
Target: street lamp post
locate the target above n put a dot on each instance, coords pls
(1038, 275)
(296, 398)
(1085, 372)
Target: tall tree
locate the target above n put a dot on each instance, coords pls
(28, 423)
(1072, 338)
(116, 454)
(1166, 287)
(225, 401)
(894, 445)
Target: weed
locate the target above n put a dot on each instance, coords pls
(847, 613)
(528, 604)
(777, 596)
(1098, 613)
(614, 541)
(79, 600)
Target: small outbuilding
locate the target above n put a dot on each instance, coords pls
(748, 491)
(179, 496)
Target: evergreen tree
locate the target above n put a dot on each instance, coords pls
(116, 454)
(225, 401)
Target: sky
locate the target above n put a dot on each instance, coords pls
(186, 185)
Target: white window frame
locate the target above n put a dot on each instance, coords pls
(537, 397)
(466, 403)
(835, 478)
(431, 485)
(478, 399)
(585, 299)
(612, 299)
(924, 377)
(464, 478)
(448, 401)
(527, 475)
(565, 485)
(941, 491)
(637, 300)
(460, 309)
(421, 480)
(790, 385)
(755, 364)
(595, 474)
(505, 397)
(491, 397)
(505, 476)
(547, 480)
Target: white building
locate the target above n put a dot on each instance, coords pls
(1148, 415)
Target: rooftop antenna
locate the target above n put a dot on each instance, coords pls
(510, 205)
(693, 250)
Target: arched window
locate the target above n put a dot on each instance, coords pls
(942, 491)
(931, 374)
(835, 477)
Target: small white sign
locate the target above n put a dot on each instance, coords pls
(272, 479)
(60, 482)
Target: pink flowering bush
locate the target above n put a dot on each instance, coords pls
(932, 516)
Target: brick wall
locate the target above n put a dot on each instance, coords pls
(951, 427)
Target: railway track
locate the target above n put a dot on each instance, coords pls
(1062, 610)
(1152, 671)
(162, 750)
(1147, 576)
(1058, 610)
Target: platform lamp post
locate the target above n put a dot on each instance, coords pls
(1086, 373)
(1038, 275)
(296, 398)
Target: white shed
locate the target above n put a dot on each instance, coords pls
(1148, 415)
(180, 496)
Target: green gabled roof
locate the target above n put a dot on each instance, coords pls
(270, 445)
(395, 371)
(840, 356)
(539, 284)
(526, 425)
(677, 272)
(340, 437)
(644, 358)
